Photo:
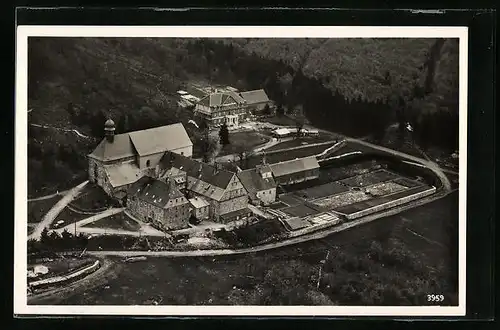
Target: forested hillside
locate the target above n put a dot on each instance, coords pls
(353, 86)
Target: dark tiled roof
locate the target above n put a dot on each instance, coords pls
(221, 99)
(121, 147)
(254, 182)
(154, 191)
(202, 171)
(256, 96)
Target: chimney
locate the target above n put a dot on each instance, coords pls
(109, 130)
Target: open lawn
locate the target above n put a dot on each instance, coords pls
(38, 209)
(69, 217)
(116, 221)
(280, 120)
(246, 140)
(91, 198)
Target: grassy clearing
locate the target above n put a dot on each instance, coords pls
(69, 217)
(243, 141)
(116, 221)
(91, 198)
(38, 209)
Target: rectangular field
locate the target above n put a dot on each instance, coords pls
(323, 190)
(300, 211)
(369, 178)
(385, 188)
(339, 200)
(291, 199)
(369, 203)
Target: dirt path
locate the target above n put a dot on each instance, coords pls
(288, 242)
(56, 209)
(63, 129)
(41, 198)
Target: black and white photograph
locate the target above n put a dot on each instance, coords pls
(282, 170)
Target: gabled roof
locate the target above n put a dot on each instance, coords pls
(254, 182)
(154, 191)
(294, 166)
(120, 148)
(221, 99)
(122, 174)
(144, 142)
(255, 96)
(160, 139)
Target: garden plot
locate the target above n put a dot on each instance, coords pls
(347, 198)
(300, 211)
(290, 199)
(385, 188)
(323, 190)
(369, 179)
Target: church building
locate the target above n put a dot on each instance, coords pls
(122, 159)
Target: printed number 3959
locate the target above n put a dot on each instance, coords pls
(435, 297)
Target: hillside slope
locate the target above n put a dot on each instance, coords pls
(79, 82)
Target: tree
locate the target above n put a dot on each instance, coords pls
(224, 135)
(208, 148)
(241, 151)
(298, 117)
(280, 111)
(45, 238)
(267, 110)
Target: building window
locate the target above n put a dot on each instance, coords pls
(182, 153)
(148, 163)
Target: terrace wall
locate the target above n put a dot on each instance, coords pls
(311, 229)
(389, 204)
(393, 163)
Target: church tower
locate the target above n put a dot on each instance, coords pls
(109, 130)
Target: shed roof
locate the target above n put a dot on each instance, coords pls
(122, 174)
(294, 166)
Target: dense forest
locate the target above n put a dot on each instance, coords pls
(355, 87)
